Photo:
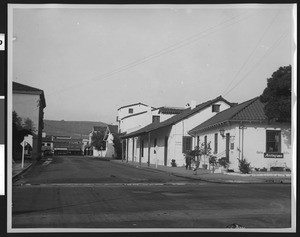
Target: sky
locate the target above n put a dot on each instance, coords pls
(92, 59)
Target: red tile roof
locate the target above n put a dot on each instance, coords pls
(176, 118)
(251, 110)
(170, 110)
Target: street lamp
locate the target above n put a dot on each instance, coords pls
(222, 131)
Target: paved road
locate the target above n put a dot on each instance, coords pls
(78, 192)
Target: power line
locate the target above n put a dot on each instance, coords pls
(164, 51)
(266, 53)
(250, 55)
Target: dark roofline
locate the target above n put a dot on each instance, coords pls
(171, 110)
(131, 115)
(176, 118)
(24, 89)
(227, 119)
(125, 106)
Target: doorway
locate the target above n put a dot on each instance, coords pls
(227, 146)
(166, 151)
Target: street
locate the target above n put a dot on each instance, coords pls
(87, 192)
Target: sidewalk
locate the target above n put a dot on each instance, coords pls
(17, 168)
(208, 176)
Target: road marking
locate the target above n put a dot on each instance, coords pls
(71, 185)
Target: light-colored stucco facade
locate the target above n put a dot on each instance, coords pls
(133, 117)
(249, 142)
(245, 132)
(166, 143)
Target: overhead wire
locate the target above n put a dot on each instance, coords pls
(161, 52)
(285, 33)
(252, 52)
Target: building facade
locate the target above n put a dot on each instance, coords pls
(162, 141)
(29, 104)
(244, 132)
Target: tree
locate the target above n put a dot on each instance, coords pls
(118, 146)
(277, 95)
(97, 140)
(17, 121)
(19, 132)
(29, 125)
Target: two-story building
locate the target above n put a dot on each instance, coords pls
(162, 141)
(29, 104)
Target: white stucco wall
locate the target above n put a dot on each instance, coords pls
(136, 122)
(253, 146)
(136, 109)
(110, 149)
(175, 134)
(181, 129)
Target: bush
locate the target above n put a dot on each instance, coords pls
(244, 166)
(223, 162)
(173, 163)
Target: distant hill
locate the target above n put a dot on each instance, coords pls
(75, 129)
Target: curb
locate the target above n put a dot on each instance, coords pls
(210, 180)
(22, 171)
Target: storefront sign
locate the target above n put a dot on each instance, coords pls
(273, 155)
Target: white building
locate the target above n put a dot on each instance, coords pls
(97, 129)
(136, 116)
(133, 117)
(111, 131)
(162, 141)
(243, 131)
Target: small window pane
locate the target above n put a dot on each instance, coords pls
(273, 141)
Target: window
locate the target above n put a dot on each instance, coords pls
(155, 119)
(130, 111)
(215, 108)
(273, 143)
(205, 144)
(216, 144)
(186, 144)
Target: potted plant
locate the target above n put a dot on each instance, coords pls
(173, 163)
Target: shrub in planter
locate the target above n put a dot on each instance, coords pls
(213, 160)
(223, 162)
(244, 166)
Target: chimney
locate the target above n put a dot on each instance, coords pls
(193, 104)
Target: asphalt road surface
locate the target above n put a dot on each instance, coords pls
(85, 192)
